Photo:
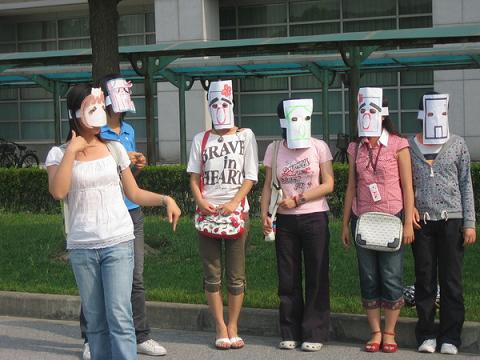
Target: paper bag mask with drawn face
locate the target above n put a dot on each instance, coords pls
(119, 95)
(298, 120)
(220, 104)
(370, 111)
(435, 119)
(92, 111)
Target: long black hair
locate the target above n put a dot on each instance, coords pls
(387, 123)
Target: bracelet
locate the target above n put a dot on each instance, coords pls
(163, 200)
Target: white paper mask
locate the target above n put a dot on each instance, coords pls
(92, 111)
(119, 95)
(220, 104)
(298, 116)
(435, 121)
(370, 111)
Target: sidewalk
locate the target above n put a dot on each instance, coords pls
(188, 317)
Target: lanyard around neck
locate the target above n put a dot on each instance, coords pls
(370, 158)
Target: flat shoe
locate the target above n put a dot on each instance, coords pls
(288, 344)
(311, 346)
(223, 344)
(237, 342)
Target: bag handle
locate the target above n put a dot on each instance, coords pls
(275, 183)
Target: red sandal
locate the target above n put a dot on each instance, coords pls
(373, 346)
(389, 348)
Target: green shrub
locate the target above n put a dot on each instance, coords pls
(27, 189)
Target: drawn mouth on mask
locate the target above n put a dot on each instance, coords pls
(366, 120)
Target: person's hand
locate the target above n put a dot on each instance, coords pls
(288, 203)
(206, 208)
(346, 236)
(227, 208)
(469, 236)
(173, 211)
(137, 159)
(77, 143)
(416, 219)
(267, 225)
(408, 235)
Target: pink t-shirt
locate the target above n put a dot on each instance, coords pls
(387, 176)
(299, 170)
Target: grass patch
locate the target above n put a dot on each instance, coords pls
(33, 244)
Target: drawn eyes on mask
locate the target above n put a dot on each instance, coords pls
(371, 111)
(430, 114)
(216, 106)
(307, 118)
(94, 108)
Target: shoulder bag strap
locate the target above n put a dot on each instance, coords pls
(275, 182)
(202, 163)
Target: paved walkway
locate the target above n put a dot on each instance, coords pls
(26, 338)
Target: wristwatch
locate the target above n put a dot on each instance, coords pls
(301, 199)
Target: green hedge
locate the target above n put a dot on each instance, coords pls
(27, 189)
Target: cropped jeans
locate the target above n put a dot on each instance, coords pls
(104, 278)
(380, 275)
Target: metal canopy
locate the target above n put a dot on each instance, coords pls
(449, 58)
(168, 61)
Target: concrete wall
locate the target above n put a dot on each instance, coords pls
(462, 85)
(181, 20)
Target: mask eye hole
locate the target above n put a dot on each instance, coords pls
(430, 114)
(215, 106)
(307, 118)
(294, 118)
(224, 105)
(444, 113)
(362, 111)
(92, 110)
(373, 111)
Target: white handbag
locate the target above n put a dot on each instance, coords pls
(379, 231)
(276, 191)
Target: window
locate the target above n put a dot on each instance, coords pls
(257, 99)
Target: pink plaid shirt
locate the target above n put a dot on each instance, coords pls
(387, 176)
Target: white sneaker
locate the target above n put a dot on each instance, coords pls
(151, 347)
(310, 346)
(449, 349)
(86, 352)
(428, 346)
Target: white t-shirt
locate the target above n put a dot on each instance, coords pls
(98, 216)
(227, 164)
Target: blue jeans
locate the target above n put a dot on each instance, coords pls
(104, 278)
(381, 275)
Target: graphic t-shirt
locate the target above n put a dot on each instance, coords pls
(228, 161)
(298, 170)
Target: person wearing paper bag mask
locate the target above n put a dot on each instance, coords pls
(304, 172)
(118, 102)
(444, 220)
(223, 167)
(86, 173)
(380, 180)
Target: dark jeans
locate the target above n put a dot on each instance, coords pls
(142, 329)
(439, 245)
(306, 235)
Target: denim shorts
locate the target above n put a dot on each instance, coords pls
(381, 273)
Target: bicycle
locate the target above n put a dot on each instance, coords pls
(342, 145)
(16, 155)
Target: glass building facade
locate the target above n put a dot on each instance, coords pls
(257, 99)
(27, 113)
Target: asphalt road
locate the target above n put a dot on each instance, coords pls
(25, 338)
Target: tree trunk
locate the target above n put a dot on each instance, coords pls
(104, 36)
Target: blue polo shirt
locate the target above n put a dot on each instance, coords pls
(127, 139)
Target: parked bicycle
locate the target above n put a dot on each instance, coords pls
(16, 155)
(342, 145)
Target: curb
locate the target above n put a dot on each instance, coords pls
(259, 322)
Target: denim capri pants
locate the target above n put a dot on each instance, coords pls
(381, 275)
